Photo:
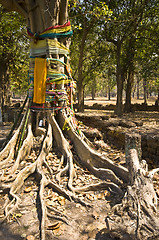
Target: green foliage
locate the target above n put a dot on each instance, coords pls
(14, 46)
(86, 17)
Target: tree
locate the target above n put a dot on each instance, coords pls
(12, 51)
(61, 117)
(127, 29)
(147, 49)
(86, 16)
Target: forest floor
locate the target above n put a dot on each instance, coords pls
(84, 223)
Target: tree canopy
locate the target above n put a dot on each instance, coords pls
(13, 53)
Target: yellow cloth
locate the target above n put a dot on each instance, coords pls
(48, 42)
(40, 71)
(58, 30)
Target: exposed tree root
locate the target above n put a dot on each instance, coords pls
(99, 186)
(19, 178)
(136, 217)
(4, 154)
(8, 159)
(10, 146)
(111, 177)
(24, 150)
(93, 161)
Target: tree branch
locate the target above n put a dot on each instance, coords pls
(12, 5)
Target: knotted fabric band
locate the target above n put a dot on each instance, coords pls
(57, 31)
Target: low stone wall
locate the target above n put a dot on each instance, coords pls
(114, 130)
(135, 107)
(149, 140)
(10, 113)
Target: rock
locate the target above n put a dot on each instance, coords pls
(138, 123)
(126, 123)
(93, 134)
(105, 117)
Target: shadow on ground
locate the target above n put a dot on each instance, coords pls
(6, 234)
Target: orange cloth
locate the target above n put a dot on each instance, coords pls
(40, 71)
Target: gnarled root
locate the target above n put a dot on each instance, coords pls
(101, 173)
(24, 150)
(136, 217)
(111, 176)
(97, 164)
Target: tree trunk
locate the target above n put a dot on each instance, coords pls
(4, 85)
(80, 96)
(119, 103)
(93, 88)
(130, 70)
(128, 92)
(138, 88)
(109, 89)
(80, 87)
(109, 93)
(145, 91)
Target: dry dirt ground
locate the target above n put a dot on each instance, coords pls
(105, 101)
(83, 223)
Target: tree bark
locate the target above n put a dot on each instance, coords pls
(138, 88)
(80, 87)
(109, 88)
(145, 91)
(4, 84)
(130, 80)
(93, 92)
(119, 102)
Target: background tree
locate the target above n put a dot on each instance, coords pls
(125, 30)
(13, 48)
(85, 16)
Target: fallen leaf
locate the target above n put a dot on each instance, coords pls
(106, 193)
(30, 237)
(57, 231)
(28, 189)
(62, 202)
(101, 196)
(90, 197)
(50, 155)
(121, 162)
(54, 226)
(18, 215)
(49, 202)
